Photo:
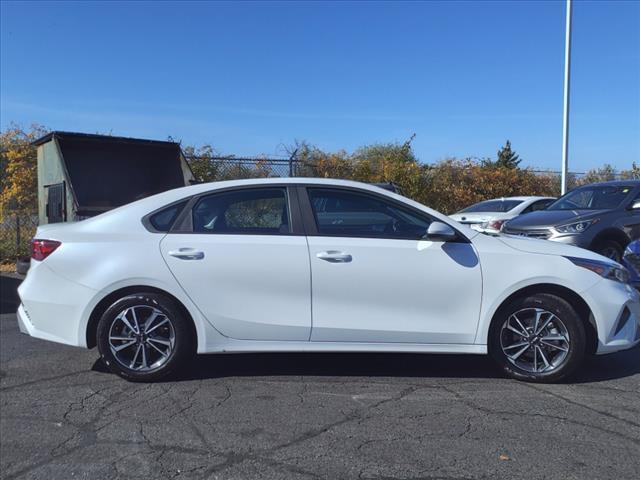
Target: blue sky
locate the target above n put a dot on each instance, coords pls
(250, 77)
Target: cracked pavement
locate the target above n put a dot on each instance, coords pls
(312, 416)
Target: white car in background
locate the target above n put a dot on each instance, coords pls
(316, 265)
(490, 215)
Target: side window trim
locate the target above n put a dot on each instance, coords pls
(310, 221)
(184, 222)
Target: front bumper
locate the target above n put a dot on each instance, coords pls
(616, 311)
(577, 240)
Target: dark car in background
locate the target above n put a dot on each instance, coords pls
(602, 217)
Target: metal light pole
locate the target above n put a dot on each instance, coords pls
(565, 115)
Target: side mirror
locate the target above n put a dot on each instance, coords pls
(635, 205)
(441, 232)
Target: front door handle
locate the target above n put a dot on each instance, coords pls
(333, 256)
(187, 254)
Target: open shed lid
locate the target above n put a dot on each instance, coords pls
(106, 172)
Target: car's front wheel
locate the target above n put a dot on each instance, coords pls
(539, 338)
(144, 337)
(610, 249)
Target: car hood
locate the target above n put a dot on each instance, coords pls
(549, 218)
(547, 247)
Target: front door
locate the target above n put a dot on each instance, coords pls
(242, 266)
(374, 279)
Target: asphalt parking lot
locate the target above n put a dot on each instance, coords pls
(311, 416)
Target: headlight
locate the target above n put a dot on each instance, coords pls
(610, 271)
(577, 227)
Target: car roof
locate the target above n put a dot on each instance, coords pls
(128, 216)
(614, 183)
(523, 198)
(205, 187)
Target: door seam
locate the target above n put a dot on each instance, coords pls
(306, 238)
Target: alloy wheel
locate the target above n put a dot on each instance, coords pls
(611, 252)
(141, 338)
(535, 340)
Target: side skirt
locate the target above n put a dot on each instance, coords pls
(251, 346)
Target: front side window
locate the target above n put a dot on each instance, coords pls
(351, 214)
(595, 197)
(250, 211)
(538, 205)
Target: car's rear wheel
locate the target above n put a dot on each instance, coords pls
(539, 338)
(144, 337)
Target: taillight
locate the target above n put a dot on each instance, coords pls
(496, 224)
(41, 249)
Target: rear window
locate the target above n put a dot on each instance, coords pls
(492, 206)
(163, 220)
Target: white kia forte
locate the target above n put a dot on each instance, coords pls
(318, 265)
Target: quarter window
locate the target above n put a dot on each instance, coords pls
(250, 211)
(163, 220)
(351, 214)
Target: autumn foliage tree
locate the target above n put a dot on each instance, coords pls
(18, 189)
(18, 169)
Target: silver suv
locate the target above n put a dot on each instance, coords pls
(602, 217)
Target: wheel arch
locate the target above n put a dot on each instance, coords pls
(109, 299)
(610, 234)
(574, 299)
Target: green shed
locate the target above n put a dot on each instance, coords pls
(81, 175)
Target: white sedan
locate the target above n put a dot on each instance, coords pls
(316, 265)
(490, 215)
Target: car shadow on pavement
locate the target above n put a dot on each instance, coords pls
(401, 365)
(9, 300)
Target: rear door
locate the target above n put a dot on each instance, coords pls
(244, 265)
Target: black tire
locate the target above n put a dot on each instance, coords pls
(610, 249)
(178, 328)
(565, 318)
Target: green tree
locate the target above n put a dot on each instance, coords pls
(507, 157)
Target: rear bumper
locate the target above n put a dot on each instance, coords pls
(52, 307)
(616, 309)
(24, 324)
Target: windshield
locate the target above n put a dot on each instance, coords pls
(492, 206)
(592, 198)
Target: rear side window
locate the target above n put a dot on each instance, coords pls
(260, 211)
(163, 220)
(501, 206)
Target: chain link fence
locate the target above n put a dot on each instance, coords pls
(16, 231)
(233, 168)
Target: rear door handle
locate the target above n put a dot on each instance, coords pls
(187, 254)
(333, 256)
